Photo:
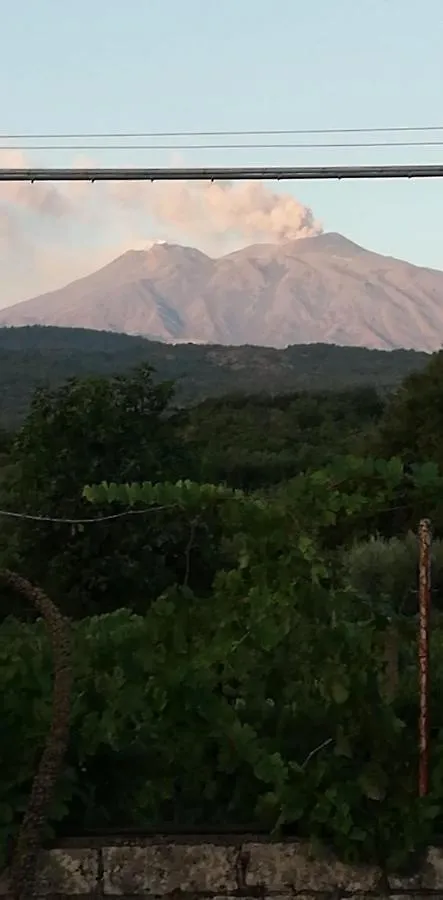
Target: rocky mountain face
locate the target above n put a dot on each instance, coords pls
(321, 289)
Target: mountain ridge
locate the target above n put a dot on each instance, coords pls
(323, 289)
(33, 355)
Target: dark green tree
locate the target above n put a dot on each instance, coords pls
(412, 427)
(412, 430)
(254, 441)
(83, 432)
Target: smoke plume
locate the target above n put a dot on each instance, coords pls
(61, 231)
(247, 210)
(41, 198)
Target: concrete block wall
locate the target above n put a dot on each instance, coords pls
(219, 869)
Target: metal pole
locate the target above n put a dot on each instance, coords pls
(424, 597)
(230, 173)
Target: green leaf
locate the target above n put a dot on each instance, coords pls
(426, 475)
(271, 769)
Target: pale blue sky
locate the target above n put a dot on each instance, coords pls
(234, 65)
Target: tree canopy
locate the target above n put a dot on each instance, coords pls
(242, 580)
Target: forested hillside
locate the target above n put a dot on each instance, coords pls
(32, 355)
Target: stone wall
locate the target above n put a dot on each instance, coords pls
(219, 869)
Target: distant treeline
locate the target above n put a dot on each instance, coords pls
(35, 355)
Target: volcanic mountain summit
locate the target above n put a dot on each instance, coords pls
(320, 289)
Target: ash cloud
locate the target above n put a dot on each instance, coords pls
(40, 198)
(60, 231)
(248, 210)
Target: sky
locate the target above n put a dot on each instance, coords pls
(201, 65)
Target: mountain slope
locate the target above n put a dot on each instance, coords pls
(322, 289)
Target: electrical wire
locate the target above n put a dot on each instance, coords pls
(87, 521)
(97, 520)
(243, 146)
(173, 134)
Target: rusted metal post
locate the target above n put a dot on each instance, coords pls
(424, 600)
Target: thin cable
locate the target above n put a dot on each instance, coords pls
(274, 146)
(88, 521)
(171, 134)
(96, 520)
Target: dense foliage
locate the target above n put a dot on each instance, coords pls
(244, 627)
(88, 430)
(250, 441)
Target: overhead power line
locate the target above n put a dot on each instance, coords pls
(235, 173)
(179, 134)
(243, 146)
